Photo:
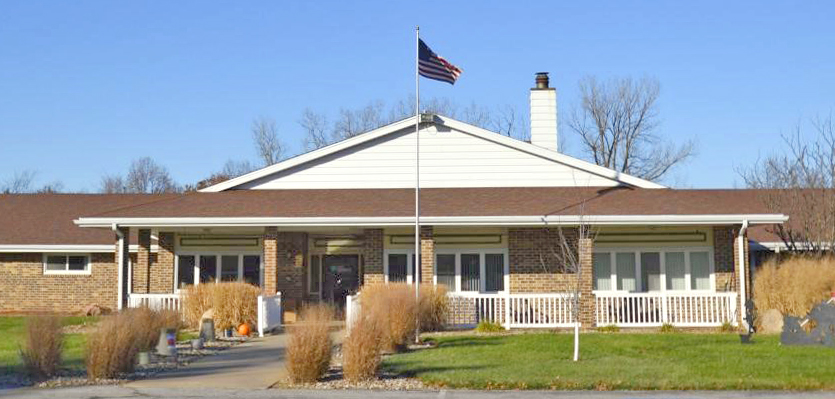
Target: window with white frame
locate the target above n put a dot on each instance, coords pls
(197, 268)
(314, 274)
(66, 264)
(652, 270)
(399, 266)
(472, 270)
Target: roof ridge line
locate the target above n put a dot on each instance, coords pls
(171, 198)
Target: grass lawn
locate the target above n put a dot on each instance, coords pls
(13, 333)
(618, 361)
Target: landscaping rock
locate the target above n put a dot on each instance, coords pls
(95, 310)
(209, 314)
(771, 322)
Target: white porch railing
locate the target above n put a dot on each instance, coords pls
(352, 309)
(511, 311)
(155, 301)
(269, 313)
(649, 309)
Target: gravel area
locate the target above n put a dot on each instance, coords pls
(158, 364)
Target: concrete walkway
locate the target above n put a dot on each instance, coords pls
(255, 364)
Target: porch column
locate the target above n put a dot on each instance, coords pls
(162, 271)
(427, 254)
(739, 273)
(124, 252)
(372, 254)
(142, 269)
(290, 264)
(270, 261)
(585, 247)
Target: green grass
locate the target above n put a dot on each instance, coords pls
(13, 333)
(618, 361)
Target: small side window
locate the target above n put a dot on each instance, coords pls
(66, 264)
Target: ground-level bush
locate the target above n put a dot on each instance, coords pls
(394, 309)
(232, 304)
(309, 346)
(44, 342)
(486, 326)
(794, 285)
(112, 348)
(361, 350)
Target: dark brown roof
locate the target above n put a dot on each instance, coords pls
(528, 201)
(47, 219)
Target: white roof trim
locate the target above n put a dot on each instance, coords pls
(67, 248)
(435, 221)
(447, 121)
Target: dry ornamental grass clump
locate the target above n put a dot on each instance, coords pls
(361, 350)
(44, 343)
(433, 307)
(795, 285)
(113, 347)
(309, 346)
(233, 303)
(393, 307)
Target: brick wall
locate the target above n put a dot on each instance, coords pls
(25, 288)
(291, 249)
(724, 241)
(162, 269)
(270, 261)
(533, 268)
(427, 254)
(142, 266)
(373, 256)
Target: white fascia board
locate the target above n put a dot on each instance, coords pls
(544, 220)
(548, 154)
(310, 156)
(67, 248)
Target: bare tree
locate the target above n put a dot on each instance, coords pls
(144, 176)
(801, 183)
(617, 122)
(267, 143)
(315, 128)
(562, 256)
(19, 183)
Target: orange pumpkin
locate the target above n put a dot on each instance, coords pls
(243, 329)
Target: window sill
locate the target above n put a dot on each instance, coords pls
(66, 273)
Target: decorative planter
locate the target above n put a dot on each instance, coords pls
(144, 358)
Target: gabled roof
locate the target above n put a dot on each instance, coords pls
(442, 120)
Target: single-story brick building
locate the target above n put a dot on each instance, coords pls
(318, 226)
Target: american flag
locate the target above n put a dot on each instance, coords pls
(433, 66)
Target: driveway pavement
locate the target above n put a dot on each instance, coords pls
(103, 392)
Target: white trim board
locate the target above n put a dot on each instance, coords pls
(612, 220)
(68, 248)
(614, 176)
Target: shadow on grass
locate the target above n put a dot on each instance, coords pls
(413, 368)
(471, 341)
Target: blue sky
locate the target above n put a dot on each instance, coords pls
(87, 86)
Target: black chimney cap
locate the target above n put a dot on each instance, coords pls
(541, 80)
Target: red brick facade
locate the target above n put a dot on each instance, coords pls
(270, 261)
(372, 255)
(427, 255)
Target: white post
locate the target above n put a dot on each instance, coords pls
(417, 262)
(261, 316)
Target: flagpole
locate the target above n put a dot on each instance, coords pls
(417, 262)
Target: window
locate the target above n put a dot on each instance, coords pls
(314, 280)
(602, 268)
(208, 269)
(185, 271)
(66, 264)
(700, 270)
(470, 272)
(494, 270)
(229, 268)
(626, 271)
(445, 271)
(252, 269)
(641, 270)
(398, 268)
(674, 265)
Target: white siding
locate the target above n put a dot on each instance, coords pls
(449, 158)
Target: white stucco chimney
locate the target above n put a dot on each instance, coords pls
(544, 114)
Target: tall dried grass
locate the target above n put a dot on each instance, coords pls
(44, 344)
(433, 308)
(393, 308)
(309, 347)
(233, 303)
(794, 285)
(112, 348)
(361, 350)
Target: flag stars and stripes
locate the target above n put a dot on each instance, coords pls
(433, 66)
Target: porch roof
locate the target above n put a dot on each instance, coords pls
(460, 206)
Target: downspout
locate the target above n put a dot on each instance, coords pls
(742, 266)
(120, 263)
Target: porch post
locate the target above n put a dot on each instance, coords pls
(162, 271)
(270, 286)
(587, 301)
(743, 276)
(142, 269)
(427, 255)
(372, 253)
(121, 258)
